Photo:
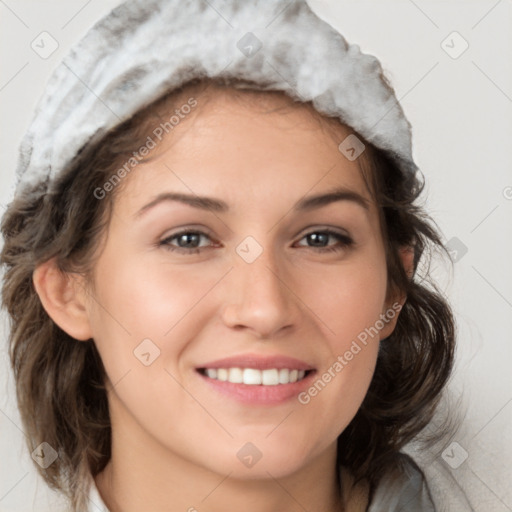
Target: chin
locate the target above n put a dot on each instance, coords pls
(256, 461)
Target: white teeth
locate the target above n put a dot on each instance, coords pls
(270, 377)
(236, 375)
(254, 377)
(284, 376)
(222, 374)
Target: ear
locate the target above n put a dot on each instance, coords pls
(63, 296)
(394, 305)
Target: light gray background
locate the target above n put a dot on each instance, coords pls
(461, 112)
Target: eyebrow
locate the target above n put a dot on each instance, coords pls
(217, 205)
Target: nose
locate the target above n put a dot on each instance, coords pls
(260, 298)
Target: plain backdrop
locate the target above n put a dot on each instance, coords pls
(459, 101)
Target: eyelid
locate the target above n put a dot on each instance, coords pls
(329, 229)
(187, 229)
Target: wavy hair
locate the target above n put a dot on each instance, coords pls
(60, 383)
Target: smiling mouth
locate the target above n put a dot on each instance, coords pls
(256, 377)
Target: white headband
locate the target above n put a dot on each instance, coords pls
(145, 48)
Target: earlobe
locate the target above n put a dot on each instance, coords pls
(407, 257)
(394, 308)
(63, 298)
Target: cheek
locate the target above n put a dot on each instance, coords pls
(145, 300)
(144, 317)
(348, 303)
(139, 310)
(347, 300)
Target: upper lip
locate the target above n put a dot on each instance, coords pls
(258, 362)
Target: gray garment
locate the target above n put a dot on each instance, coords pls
(403, 490)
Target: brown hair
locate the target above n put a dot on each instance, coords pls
(60, 382)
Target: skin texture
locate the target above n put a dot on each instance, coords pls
(175, 440)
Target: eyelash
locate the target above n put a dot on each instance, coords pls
(344, 241)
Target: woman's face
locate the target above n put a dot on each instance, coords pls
(217, 258)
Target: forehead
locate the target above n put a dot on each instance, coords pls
(216, 100)
(276, 106)
(238, 142)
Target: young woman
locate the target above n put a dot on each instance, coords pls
(211, 270)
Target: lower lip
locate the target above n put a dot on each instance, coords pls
(259, 394)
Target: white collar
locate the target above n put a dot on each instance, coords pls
(96, 504)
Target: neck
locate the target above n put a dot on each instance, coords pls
(147, 476)
(136, 489)
(144, 474)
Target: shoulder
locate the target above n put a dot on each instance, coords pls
(402, 488)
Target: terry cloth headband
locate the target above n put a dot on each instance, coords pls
(145, 48)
